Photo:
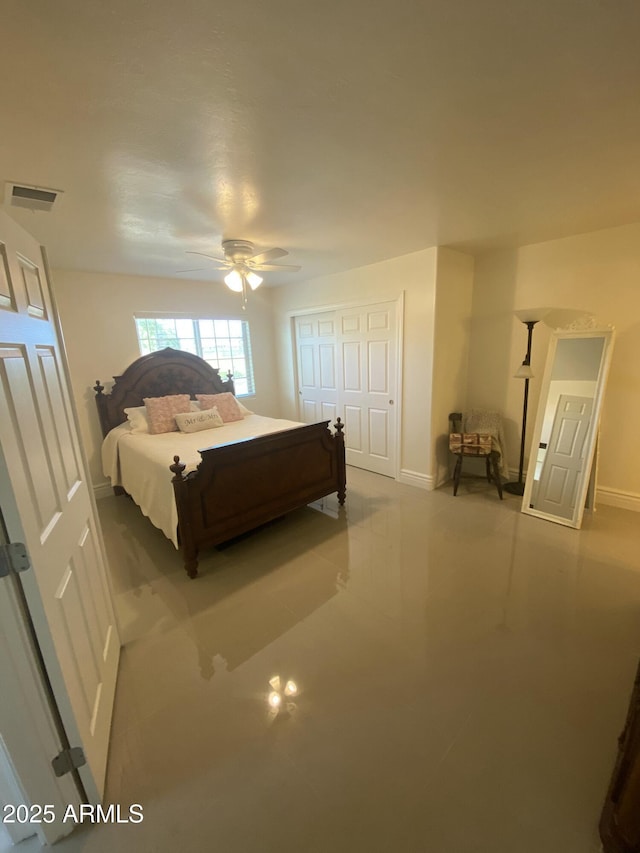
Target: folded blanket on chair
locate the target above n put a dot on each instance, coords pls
(473, 443)
(481, 421)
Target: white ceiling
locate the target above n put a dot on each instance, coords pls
(344, 131)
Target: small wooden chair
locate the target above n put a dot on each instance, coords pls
(472, 444)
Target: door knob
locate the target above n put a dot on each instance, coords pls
(391, 402)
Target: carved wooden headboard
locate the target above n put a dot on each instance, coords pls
(167, 371)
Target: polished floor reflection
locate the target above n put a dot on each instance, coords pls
(460, 675)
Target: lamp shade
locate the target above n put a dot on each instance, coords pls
(523, 372)
(531, 315)
(254, 280)
(233, 280)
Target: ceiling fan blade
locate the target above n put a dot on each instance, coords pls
(195, 269)
(276, 267)
(211, 258)
(268, 255)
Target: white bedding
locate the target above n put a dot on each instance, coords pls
(140, 462)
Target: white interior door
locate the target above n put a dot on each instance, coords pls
(564, 458)
(46, 503)
(29, 734)
(368, 361)
(347, 367)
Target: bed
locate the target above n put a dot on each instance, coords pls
(225, 481)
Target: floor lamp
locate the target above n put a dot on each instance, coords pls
(523, 372)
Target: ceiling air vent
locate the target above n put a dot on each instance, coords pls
(33, 198)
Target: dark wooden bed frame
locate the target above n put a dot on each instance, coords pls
(237, 486)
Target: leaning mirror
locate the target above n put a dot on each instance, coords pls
(566, 429)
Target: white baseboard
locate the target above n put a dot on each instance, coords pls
(415, 478)
(444, 477)
(609, 497)
(102, 490)
(613, 497)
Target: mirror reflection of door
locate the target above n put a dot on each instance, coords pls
(563, 457)
(566, 425)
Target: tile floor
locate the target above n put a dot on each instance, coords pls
(462, 675)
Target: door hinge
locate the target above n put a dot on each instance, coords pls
(13, 558)
(68, 760)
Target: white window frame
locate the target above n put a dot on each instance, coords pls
(225, 363)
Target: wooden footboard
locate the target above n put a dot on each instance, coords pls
(244, 484)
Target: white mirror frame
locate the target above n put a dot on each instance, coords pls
(592, 432)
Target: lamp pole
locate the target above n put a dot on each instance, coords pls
(517, 488)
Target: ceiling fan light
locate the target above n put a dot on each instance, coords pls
(254, 280)
(233, 280)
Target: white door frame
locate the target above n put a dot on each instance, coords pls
(341, 306)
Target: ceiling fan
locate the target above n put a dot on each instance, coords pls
(243, 262)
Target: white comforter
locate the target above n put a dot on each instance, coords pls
(140, 462)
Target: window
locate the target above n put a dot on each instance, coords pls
(222, 343)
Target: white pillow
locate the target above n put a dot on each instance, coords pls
(196, 421)
(137, 419)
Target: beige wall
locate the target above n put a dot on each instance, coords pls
(597, 272)
(97, 315)
(454, 297)
(412, 274)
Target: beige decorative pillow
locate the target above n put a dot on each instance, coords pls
(225, 403)
(196, 421)
(162, 411)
